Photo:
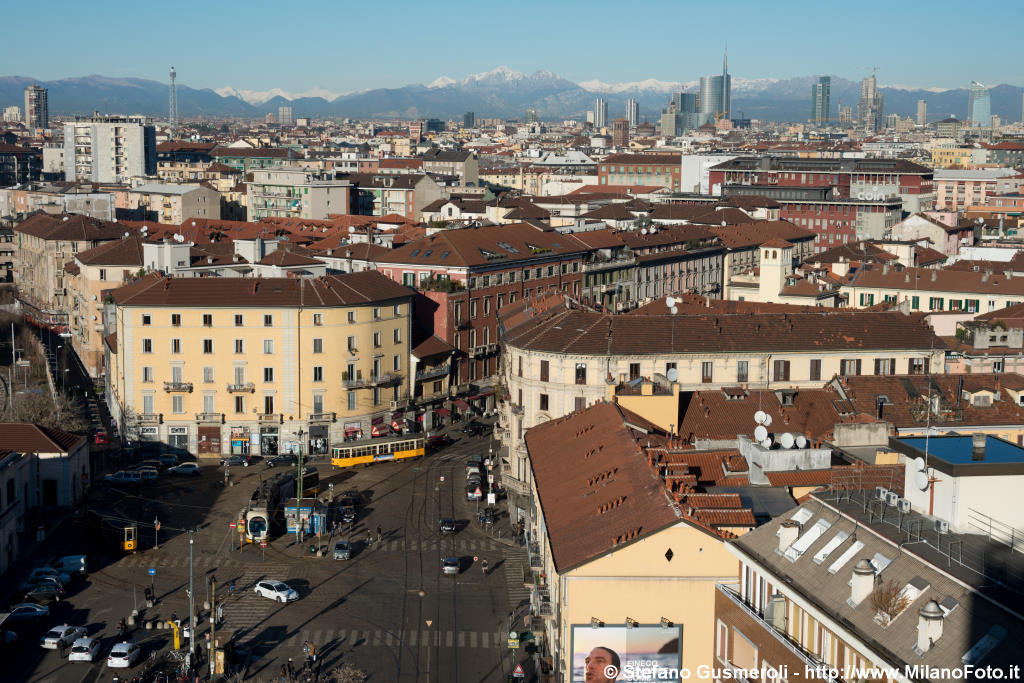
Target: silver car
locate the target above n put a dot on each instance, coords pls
(60, 637)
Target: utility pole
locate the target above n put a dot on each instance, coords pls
(298, 494)
(10, 371)
(213, 628)
(156, 533)
(191, 603)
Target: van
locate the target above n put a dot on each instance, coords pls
(72, 564)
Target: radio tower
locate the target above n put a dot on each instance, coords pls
(173, 114)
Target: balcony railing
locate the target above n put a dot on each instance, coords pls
(151, 417)
(353, 381)
(244, 387)
(210, 417)
(483, 350)
(178, 387)
(437, 371)
(273, 418)
(462, 323)
(516, 409)
(385, 379)
(322, 417)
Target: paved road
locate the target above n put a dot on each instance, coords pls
(389, 610)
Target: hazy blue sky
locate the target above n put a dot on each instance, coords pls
(345, 45)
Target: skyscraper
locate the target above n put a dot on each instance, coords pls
(715, 96)
(37, 113)
(922, 113)
(284, 116)
(600, 113)
(979, 108)
(820, 93)
(632, 112)
(871, 107)
(469, 120)
(172, 113)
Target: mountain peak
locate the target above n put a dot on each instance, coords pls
(498, 74)
(441, 82)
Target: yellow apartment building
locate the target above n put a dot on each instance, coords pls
(257, 366)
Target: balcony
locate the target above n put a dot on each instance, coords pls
(217, 418)
(385, 379)
(151, 418)
(178, 387)
(322, 417)
(483, 350)
(462, 323)
(243, 388)
(516, 409)
(270, 418)
(601, 264)
(438, 371)
(354, 381)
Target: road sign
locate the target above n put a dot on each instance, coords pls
(429, 622)
(490, 478)
(442, 477)
(518, 671)
(263, 544)
(478, 492)
(513, 643)
(233, 525)
(152, 571)
(513, 635)
(492, 499)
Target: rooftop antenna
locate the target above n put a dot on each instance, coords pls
(173, 113)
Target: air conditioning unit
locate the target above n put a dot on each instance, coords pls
(891, 498)
(394, 405)
(942, 526)
(880, 492)
(904, 505)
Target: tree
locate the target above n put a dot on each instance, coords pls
(346, 673)
(37, 407)
(889, 599)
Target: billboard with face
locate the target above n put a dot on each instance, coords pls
(623, 654)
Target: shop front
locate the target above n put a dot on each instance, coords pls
(353, 431)
(378, 428)
(177, 439)
(149, 438)
(209, 441)
(319, 440)
(269, 440)
(240, 441)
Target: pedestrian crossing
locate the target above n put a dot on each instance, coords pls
(182, 561)
(475, 545)
(484, 640)
(514, 566)
(244, 608)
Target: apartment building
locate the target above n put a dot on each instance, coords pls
(958, 189)
(109, 149)
(173, 204)
(381, 195)
(659, 170)
(18, 164)
(927, 289)
(460, 164)
(246, 159)
(79, 198)
(292, 192)
(264, 366)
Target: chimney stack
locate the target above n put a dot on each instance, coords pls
(978, 447)
(929, 626)
(863, 582)
(788, 533)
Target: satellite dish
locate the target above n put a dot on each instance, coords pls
(759, 417)
(672, 374)
(919, 465)
(673, 310)
(787, 440)
(767, 420)
(760, 433)
(767, 443)
(670, 301)
(351, 228)
(921, 480)
(643, 231)
(801, 441)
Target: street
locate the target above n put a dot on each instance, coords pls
(389, 610)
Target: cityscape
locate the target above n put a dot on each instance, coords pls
(551, 372)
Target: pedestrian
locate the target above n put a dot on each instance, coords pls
(284, 674)
(369, 537)
(380, 534)
(291, 669)
(484, 565)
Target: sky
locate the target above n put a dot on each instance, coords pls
(349, 45)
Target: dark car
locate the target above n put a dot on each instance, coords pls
(168, 459)
(474, 428)
(348, 515)
(436, 441)
(45, 591)
(28, 612)
(235, 460)
(447, 525)
(283, 460)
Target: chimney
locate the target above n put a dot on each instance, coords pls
(935, 275)
(885, 269)
(978, 447)
(863, 582)
(929, 626)
(788, 533)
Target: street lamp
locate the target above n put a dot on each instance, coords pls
(299, 492)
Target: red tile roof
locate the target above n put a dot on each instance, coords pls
(25, 437)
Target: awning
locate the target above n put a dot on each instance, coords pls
(443, 412)
(377, 420)
(460, 404)
(482, 394)
(353, 430)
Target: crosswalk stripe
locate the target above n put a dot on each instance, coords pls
(316, 637)
(485, 640)
(388, 639)
(472, 638)
(448, 639)
(462, 639)
(412, 637)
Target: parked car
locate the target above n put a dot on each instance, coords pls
(149, 474)
(48, 572)
(348, 515)
(235, 460)
(28, 612)
(276, 590)
(342, 550)
(123, 655)
(474, 462)
(447, 525)
(45, 591)
(60, 637)
(84, 650)
(185, 468)
(284, 460)
(151, 463)
(435, 441)
(474, 428)
(72, 564)
(123, 478)
(168, 459)
(101, 439)
(450, 565)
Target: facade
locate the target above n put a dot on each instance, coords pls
(958, 189)
(109, 149)
(404, 195)
(451, 163)
(231, 365)
(922, 112)
(656, 170)
(284, 116)
(292, 192)
(37, 110)
(18, 165)
(871, 106)
(1007, 154)
(714, 100)
(979, 107)
(61, 198)
(620, 133)
(12, 114)
(926, 289)
(469, 120)
(600, 113)
(632, 112)
(246, 159)
(821, 92)
(173, 204)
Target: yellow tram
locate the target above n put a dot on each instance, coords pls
(383, 450)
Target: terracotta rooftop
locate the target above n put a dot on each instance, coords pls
(755, 233)
(69, 227)
(25, 437)
(123, 252)
(689, 303)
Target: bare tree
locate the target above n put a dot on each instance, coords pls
(889, 599)
(39, 408)
(346, 673)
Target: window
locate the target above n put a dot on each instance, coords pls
(850, 367)
(543, 401)
(209, 403)
(997, 365)
(867, 299)
(397, 363)
(239, 346)
(147, 346)
(147, 374)
(885, 366)
(634, 371)
(268, 404)
(398, 336)
(318, 319)
(318, 404)
(669, 366)
(376, 313)
(742, 371)
(177, 404)
(781, 371)
(239, 374)
(147, 404)
(351, 344)
(511, 277)
(815, 373)
(376, 396)
(238, 320)
(318, 345)
(398, 310)
(351, 400)
(268, 346)
(722, 642)
(239, 404)
(511, 297)
(935, 303)
(207, 375)
(544, 366)
(268, 321)
(147, 319)
(207, 346)
(472, 308)
(499, 301)
(351, 316)
(176, 374)
(103, 273)
(318, 373)
(487, 305)
(519, 371)
(207, 320)
(580, 403)
(917, 366)
(581, 373)
(376, 340)
(175, 320)
(268, 374)
(707, 369)
(175, 346)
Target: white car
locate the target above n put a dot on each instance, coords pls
(72, 564)
(123, 655)
(276, 590)
(185, 468)
(61, 636)
(84, 650)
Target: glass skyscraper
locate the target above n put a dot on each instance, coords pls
(979, 107)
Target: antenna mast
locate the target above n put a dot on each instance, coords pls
(172, 114)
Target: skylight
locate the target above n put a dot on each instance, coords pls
(427, 253)
(444, 254)
(415, 252)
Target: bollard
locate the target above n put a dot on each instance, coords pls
(130, 620)
(206, 604)
(149, 604)
(149, 625)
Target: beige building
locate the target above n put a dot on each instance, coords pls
(926, 289)
(232, 365)
(174, 204)
(293, 192)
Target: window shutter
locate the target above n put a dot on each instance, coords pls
(892, 366)
(858, 367)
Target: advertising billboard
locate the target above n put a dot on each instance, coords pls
(624, 654)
